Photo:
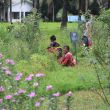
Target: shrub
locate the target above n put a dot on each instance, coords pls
(101, 51)
(28, 31)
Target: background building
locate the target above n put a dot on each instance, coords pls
(19, 10)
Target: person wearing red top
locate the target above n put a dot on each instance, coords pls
(67, 59)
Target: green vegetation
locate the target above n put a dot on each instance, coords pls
(62, 78)
(31, 56)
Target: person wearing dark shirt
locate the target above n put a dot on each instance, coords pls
(55, 47)
(85, 41)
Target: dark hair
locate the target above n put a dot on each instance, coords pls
(67, 47)
(53, 38)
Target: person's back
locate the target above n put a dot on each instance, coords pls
(55, 47)
(54, 44)
(85, 41)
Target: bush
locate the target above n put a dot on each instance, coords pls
(101, 51)
(28, 31)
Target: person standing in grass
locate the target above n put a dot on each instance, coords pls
(54, 47)
(67, 59)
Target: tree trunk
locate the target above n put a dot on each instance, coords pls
(86, 5)
(53, 11)
(34, 4)
(10, 11)
(108, 3)
(38, 5)
(64, 14)
(79, 5)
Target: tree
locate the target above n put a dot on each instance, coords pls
(94, 7)
(108, 3)
(4, 9)
(34, 3)
(64, 14)
(10, 11)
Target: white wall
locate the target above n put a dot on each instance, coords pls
(24, 7)
(18, 7)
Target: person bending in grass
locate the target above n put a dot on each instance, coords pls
(67, 59)
(54, 47)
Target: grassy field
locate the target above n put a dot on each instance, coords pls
(79, 79)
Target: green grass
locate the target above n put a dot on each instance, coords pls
(63, 36)
(63, 79)
(80, 77)
(82, 100)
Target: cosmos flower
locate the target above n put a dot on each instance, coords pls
(10, 61)
(32, 94)
(37, 104)
(49, 87)
(56, 94)
(8, 97)
(69, 94)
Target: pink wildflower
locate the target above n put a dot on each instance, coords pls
(31, 75)
(38, 75)
(56, 94)
(1, 101)
(37, 104)
(1, 55)
(8, 97)
(4, 109)
(20, 74)
(10, 61)
(49, 87)
(21, 91)
(32, 94)
(69, 94)
(29, 78)
(8, 72)
(18, 77)
(2, 89)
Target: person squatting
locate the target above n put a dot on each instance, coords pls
(64, 56)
